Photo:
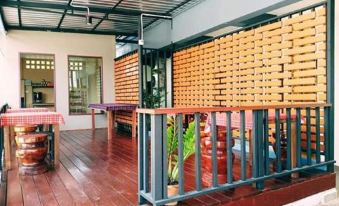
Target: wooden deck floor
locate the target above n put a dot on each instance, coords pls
(94, 171)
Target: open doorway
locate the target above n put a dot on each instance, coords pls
(37, 81)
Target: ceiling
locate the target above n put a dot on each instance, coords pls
(111, 17)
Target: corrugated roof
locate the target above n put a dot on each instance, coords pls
(118, 17)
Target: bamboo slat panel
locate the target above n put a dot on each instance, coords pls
(126, 78)
(282, 62)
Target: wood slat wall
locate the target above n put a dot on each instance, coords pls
(126, 84)
(282, 62)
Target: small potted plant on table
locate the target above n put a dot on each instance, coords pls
(172, 153)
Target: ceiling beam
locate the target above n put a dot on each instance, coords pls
(19, 14)
(2, 19)
(22, 4)
(126, 41)
(106, 15)
(78, 15)
(63, 15)
(81, 31)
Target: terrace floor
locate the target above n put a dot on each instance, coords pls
(95, 171)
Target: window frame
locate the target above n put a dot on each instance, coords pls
(101, 86)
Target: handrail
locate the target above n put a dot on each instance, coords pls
(178, 110)
(298, 147)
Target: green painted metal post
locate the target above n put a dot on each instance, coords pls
(317, 134)
(214, 150)
(288, 136)
(298, 136)
(229, 148)
(180, 154)
(156, 157)
(197, 152)
(242, 145)
(141, 174)
(164, 155)
(308, 136)
(330, 76)
(266, 143)
(278, 139)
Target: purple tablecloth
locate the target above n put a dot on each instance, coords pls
(113, 106)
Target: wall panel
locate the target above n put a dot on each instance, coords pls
(278, 63)
(126, 84)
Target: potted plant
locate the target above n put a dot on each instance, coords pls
(172, 153)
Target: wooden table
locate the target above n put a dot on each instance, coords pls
(8, 120)
(111, 108)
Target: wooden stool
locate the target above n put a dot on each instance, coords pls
(24, 129)
(31, 153)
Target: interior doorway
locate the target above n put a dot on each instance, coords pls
(37, 81)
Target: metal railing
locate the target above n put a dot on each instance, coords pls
(304, 128)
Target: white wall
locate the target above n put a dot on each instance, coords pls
(61, 45)
(336, 86)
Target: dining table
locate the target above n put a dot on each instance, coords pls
(110, 109)
(31, 116)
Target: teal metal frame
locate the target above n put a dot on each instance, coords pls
(157, 142)
(330, 75)
(261, 170)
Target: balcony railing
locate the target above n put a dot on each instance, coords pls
(304, 128)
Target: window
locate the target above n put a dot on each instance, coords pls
(85, 83)
(32, 63)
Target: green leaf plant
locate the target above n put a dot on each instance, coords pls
(172, 147)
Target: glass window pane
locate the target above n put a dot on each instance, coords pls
(85, 83)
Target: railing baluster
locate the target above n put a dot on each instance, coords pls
(180, 154)
(317, 127)
(266, 143)
(326, 132)
(214, 151)
(288, 136)
(164, 155)
(308, 135)
(298, 136)
(243, 145)
(156, 157)
(229, 148)
(260, 132)
(255, 144)
(145, 150)
(278, 139)
(141, 174)
(197, 152)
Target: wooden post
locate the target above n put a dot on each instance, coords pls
(93, 120)
(109, 124)
(56, 144)
(7, 146)
(134, 124)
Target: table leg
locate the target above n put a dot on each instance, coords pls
(134, 124)
(294, 149)
(109, 124)
(7, 147)
(114, 118)
(93, 120)
(12, 136)
(56, 145)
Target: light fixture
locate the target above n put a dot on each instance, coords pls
(89, 18)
